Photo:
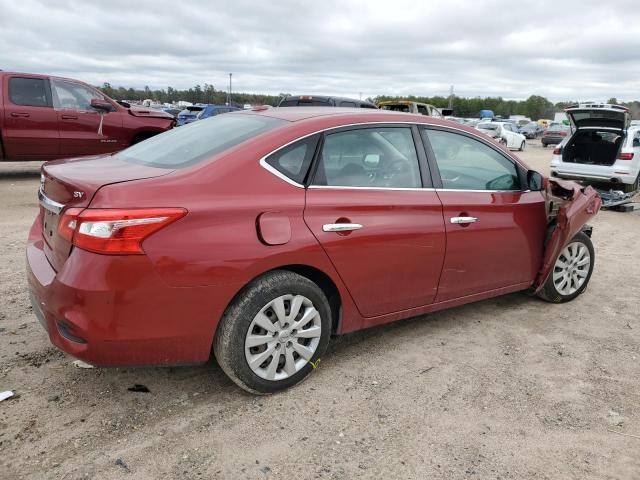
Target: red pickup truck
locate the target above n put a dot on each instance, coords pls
(44, 118)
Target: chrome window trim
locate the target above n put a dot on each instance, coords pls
(48, 204)
(263, 161)
(479, 191)
(346, 187)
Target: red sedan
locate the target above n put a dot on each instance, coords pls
(258, 235)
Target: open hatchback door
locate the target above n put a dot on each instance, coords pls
(569, 206)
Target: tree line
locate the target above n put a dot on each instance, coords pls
(534, 107)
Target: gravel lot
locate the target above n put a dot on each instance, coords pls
(509, 388)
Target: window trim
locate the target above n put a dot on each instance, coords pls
(435, 176)
(437, 180)
(47, 92)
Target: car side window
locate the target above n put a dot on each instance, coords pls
(348, 104)
(636, 139)
(28, 92)
(293, 160)
(507, 126)
(73, 96)
(382, 157)
(422, 110)
(468, 164)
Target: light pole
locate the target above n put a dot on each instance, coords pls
(229, 96)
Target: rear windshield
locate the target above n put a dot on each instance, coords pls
(558, 128)
(192, 143)
(396, 108)
(302, 102)
(488, 126)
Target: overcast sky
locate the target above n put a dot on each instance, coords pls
(562, 49)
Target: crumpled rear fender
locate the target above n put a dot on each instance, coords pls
(577, 204)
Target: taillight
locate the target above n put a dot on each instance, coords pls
(115, 231)
(625, 156)
(557, 150)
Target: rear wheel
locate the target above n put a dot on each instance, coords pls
(274, 333)
(571, 272)
(522, 145)
(631, 187)
(544, 145)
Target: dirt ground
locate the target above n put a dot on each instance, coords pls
(509, 388)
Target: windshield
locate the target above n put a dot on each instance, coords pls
(197, 141)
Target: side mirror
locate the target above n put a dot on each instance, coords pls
(535, 181)
(101, 105)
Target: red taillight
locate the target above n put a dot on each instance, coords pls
(557, 150)
(115, 231)
(625, 156)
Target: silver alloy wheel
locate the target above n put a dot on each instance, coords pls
(571, 268)
(282, 337)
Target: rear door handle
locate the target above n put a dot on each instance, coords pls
(69, 117)
(463, 220)
(19, 114)
(340, 227)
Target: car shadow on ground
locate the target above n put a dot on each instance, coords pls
(208, 381)
(19, 170)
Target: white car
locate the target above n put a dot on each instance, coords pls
(603, 147)
(503, 132)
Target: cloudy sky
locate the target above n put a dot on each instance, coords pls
(562, 49)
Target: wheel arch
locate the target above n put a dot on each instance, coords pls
(317, 276)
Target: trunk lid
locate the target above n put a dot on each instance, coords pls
(599, 115)
(72, 184)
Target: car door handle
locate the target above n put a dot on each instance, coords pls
(69, 117)
(19, 114)
(463, 220)
(340, 227)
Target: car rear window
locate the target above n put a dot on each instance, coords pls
(192, 143)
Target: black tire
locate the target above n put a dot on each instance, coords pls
(550, 292)
(544, 145)
(229, 342)
(521, 149)
(503, 142)
(631, 187)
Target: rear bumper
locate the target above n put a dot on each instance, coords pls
(599, 173)
(116, 311)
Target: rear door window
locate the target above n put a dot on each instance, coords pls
(28, 92)
(468, 164)
(380, 157)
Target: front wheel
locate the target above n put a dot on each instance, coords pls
(274, 333)
(571, 272)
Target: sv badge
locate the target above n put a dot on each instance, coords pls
(78, 194)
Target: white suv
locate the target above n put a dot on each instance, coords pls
(603, 148)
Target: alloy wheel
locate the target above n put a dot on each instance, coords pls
(283, 337)
(571, 268)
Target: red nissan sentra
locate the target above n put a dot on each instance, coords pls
(258, 235)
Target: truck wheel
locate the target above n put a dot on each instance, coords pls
(571, 273)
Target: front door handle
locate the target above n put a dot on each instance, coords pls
(69, 117)
(340, 227)
(19, 114)
(463, 220)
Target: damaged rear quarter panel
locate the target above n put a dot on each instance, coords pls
(577, 204)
